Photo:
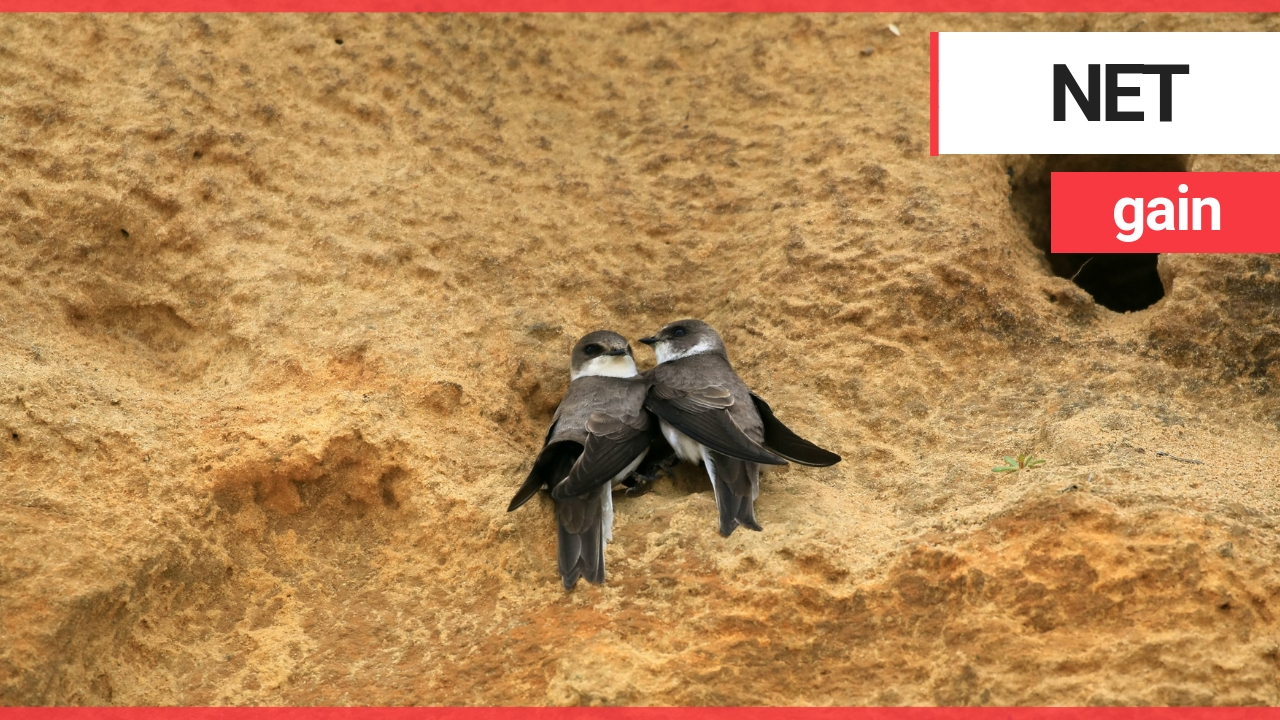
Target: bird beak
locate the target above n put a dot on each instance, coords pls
(649, 340)
(617, 352)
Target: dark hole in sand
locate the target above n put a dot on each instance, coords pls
(1123, 281)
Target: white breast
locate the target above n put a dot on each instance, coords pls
(686, 448)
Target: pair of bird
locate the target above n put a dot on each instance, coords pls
(691, 405)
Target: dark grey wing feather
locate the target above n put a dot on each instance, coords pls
(781, 440)
(612, 445)
(737, 483)
(568, 553)
(553, 463)
(580, 538)
(712, 397)
(704, 417)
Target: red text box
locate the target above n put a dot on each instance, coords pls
(1166, 212)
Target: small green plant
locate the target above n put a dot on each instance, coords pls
(1013, 465)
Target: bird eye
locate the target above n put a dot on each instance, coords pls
(591, 349)
(677, 332)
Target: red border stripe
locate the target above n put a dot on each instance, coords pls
(933, 93)
(655, 713)
(715, 6)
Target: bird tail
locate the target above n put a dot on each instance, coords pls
(736, 484)
(585, 525)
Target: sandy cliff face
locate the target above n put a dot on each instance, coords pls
(285, 321)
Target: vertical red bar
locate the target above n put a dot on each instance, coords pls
(933, 93)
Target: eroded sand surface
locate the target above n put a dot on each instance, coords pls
(284, 321)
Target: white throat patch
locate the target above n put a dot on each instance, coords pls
(664, 353)
(616, 366)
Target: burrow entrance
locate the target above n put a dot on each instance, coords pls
(1121, 282)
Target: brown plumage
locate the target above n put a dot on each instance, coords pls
(710, 416)
(599, 434)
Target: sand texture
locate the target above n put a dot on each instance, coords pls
(285, 320)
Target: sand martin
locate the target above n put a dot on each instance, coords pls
(710, 416)
(599, 434)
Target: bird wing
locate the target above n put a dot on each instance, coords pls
(703, 414)
(612, 444)
(582, 533)
(781, 440)
(736, 484)
(553, 463)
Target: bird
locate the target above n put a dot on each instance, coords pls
(599, 434)
(709, 416)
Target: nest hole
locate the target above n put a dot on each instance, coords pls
(1123, 282)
